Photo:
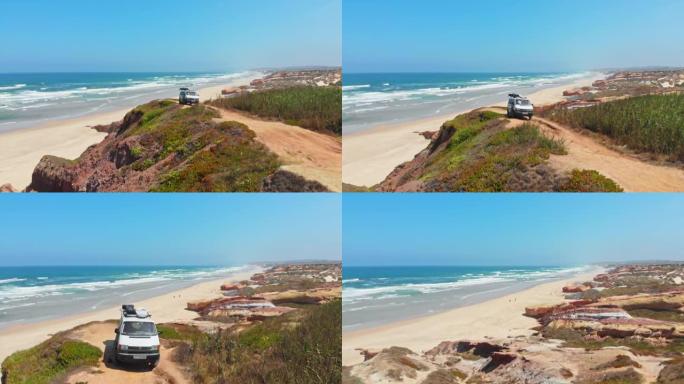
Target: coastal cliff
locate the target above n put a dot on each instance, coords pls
(624, 326)
(601, 138)
(163, 146)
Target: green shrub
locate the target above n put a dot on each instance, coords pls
(651, 123)
(315, 108)
(48, 361)
(589, 181)
(301, 347)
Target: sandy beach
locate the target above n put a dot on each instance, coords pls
(370, 155)
(495, 319)
(165, 308)
(21, 150)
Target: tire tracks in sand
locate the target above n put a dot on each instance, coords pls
(312, 155)
(584, 152)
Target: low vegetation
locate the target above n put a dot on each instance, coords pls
(650, 123)
(576, 339)
(212, 157)
(483, 156)
(48, 361)
(588, 181)
(301, 347)
(315, 108)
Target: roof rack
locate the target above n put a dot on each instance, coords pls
(515, 95)
(128, 310)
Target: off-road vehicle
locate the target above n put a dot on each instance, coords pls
(519, 106)
(187, 96)
(137, 339)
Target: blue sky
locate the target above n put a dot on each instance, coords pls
(511, 229)
(518, 36)
(167, 35)
(167, 229)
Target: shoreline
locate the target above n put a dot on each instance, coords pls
(372, 154)
(21, 150)
(168, 307)
(479, 321)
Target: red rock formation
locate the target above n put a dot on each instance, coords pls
(7, 188)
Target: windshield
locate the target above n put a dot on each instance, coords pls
(191, 93)
(139, 328)
(522, 102)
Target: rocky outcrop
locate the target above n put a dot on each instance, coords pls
(576, 288)
(162, 146)
(7, 188)
(285, 181)
(53, 174)
(312, 296)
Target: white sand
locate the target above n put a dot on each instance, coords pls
(21, 150)
(169, 307)
(497, 319)
(370, 155)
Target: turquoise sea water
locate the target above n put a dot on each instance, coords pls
(376, 295)
(27, 99)
(376, 98)
(39, 293)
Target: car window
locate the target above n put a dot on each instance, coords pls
(139, 328)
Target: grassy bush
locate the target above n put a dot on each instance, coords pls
(48, 361)
(315, 108)
(652, 123)
(301, 347)
(483, 156)
(589, 181)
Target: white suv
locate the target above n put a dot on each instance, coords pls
(137, 339)
(519, 106)
(186, 96)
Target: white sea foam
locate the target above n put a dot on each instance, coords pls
(20, 99)
(368, 101)
(355, 294)
(18, 293)
(354, 87)
(12, 280)
(12, 87)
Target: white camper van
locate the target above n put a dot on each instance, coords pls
(137, 339)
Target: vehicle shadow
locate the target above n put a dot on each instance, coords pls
(111, 363)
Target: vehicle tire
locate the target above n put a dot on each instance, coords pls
(508, 113)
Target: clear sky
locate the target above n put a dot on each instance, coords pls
(167, 35)
(168, 229)
(511, 229)
(512, 36)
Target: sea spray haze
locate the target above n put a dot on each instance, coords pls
(29, 294)
(375, 98)
(376, 295)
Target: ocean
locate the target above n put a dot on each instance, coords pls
(28, 99)
(31, 294)
(374, 296)
(369, 99)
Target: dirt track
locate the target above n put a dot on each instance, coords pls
(101, 335)
(584, 152)
(313, 155)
